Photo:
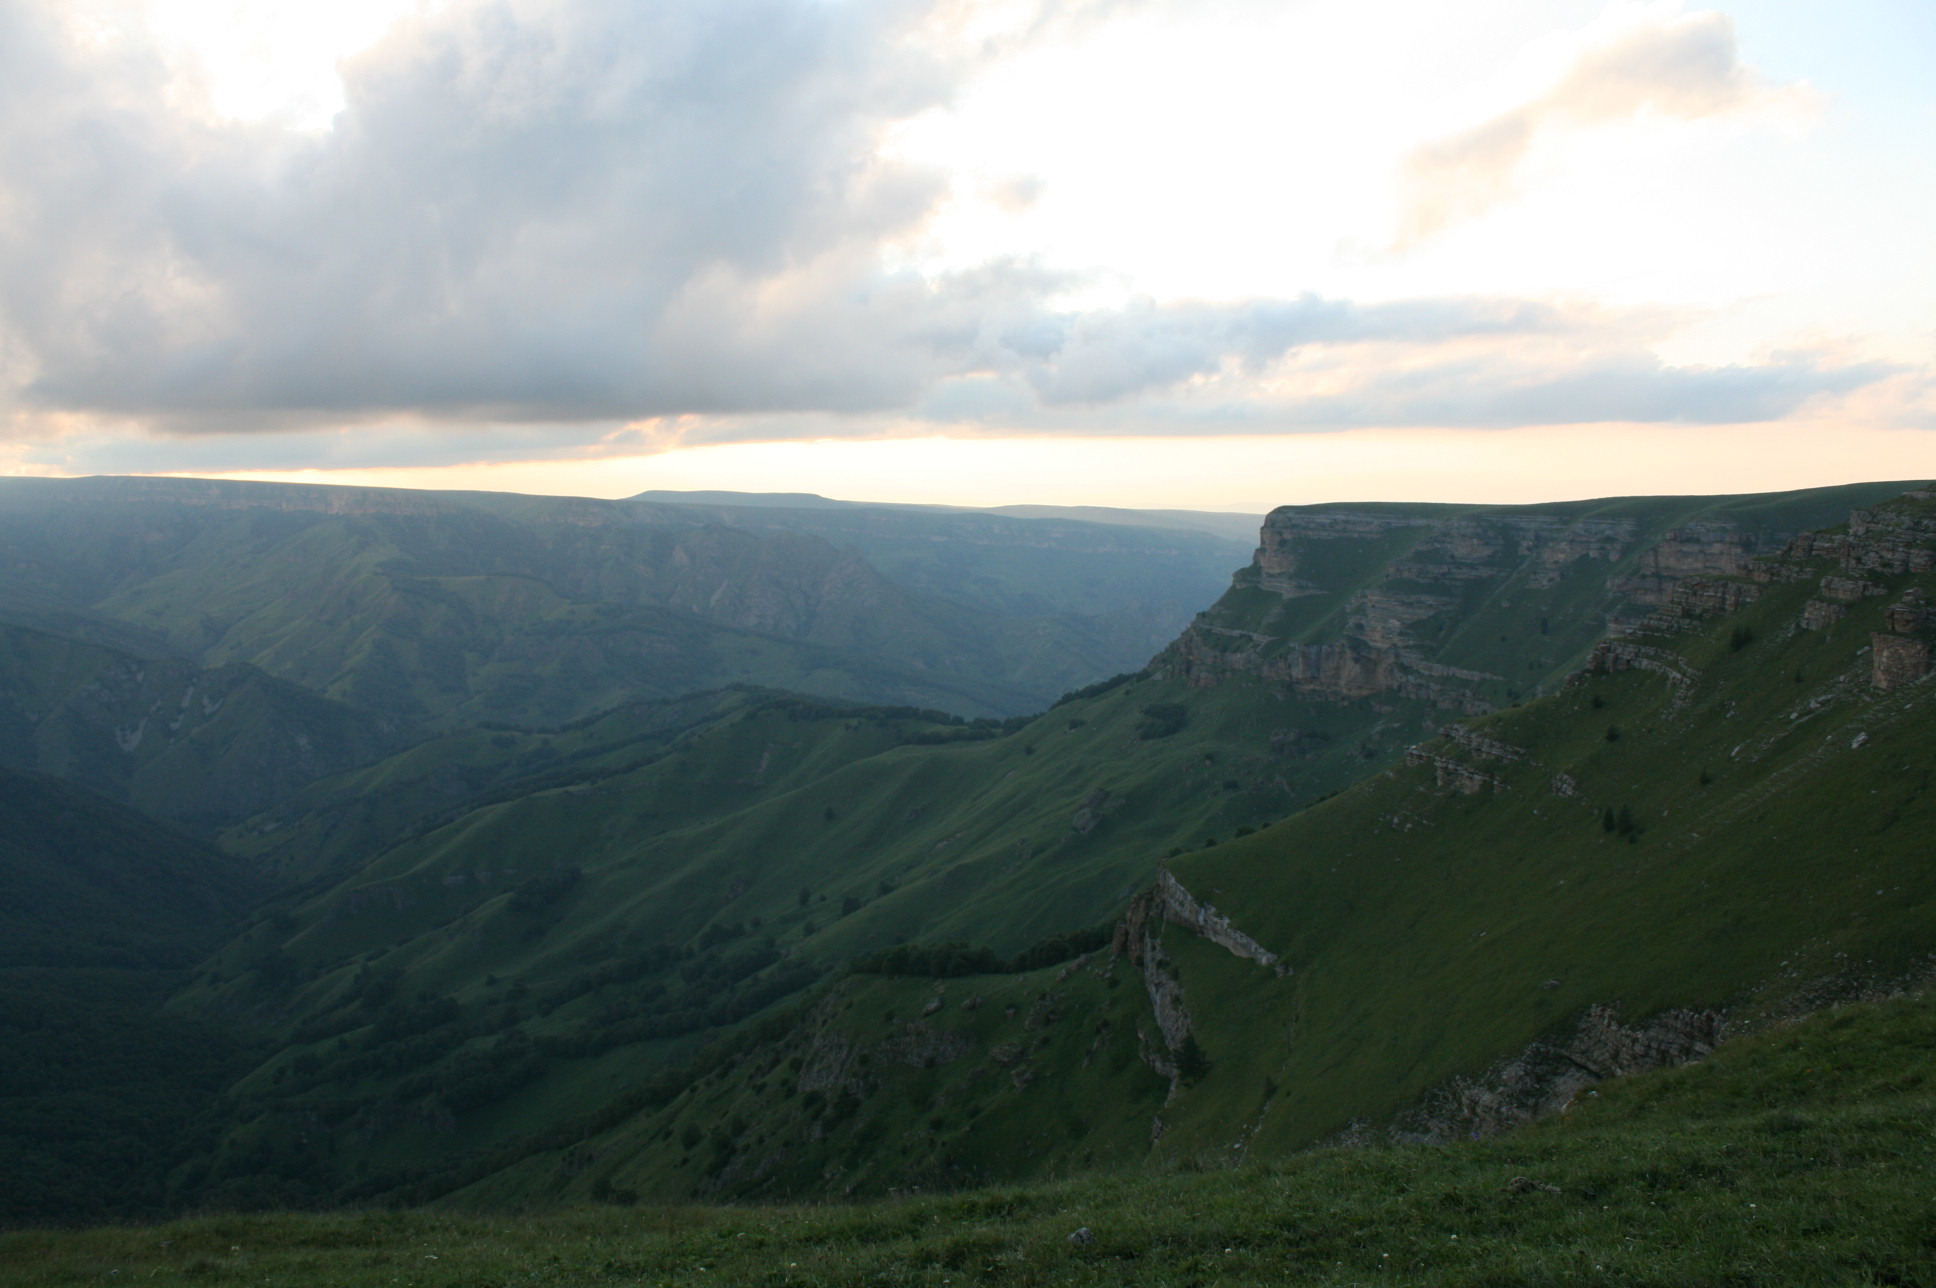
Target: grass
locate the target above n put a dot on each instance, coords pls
(1421, 924)
(1802, 1155)
(1770, 853)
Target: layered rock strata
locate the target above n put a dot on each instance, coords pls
(1546, 1076)
(1395, 615)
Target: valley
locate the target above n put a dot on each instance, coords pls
(612, 858)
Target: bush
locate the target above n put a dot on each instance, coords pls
(1161, 719)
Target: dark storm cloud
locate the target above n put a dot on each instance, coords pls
(591, 211)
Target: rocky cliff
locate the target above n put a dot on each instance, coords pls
(1469, 608)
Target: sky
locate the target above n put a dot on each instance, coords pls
(1221, 254)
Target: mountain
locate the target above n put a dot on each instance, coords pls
(1719, 825)
(102, 1090)
(203, 746)
(1235, 525)
(1471, 607)
(92, 884)
(443, 609)
(534, 947)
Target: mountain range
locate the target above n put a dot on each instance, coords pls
(1437, 817)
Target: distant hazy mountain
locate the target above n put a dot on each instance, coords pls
(1238, 526)
(205, 746)
(453, 607)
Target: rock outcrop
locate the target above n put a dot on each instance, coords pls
(1138, 938)
(1897, 660)
(1548, 1074)
(1450, 773)
(1702, 549)
(1407, 590)
(1181, 908)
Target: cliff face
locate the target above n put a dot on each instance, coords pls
(1471, 608)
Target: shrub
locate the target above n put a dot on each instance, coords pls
(1161, 719)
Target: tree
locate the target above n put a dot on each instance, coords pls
(1191, 1063)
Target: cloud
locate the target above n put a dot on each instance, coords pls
(1496, 391)
(551, 218)
(1636, 63)
(523, 208)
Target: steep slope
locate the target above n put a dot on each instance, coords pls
(200, 746)
(1797, 1157)
(591, 933)
(579, 934)
(92, 884)
(340, 822)
(454, 607)
(1722, 823)
(1472, 607)
(101, 1090)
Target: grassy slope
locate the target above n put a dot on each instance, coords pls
(942, 840)
(90, 883)
(1430, 933)
(1797, 1157)
(978, 843)
(340, 822)
(206, 746)
(1799, 857)
(101, 1091)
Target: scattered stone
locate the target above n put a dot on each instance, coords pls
(1090, 812)
(1082, 1237)
(1525, 1185)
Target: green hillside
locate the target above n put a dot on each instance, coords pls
(1800, 1157)
(92, 884)
(755, 946)
(200, 746)
(570, 943)
(1723, 823)
(102, 1091)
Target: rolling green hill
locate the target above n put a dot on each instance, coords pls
(1722, 823)
(200, 746)
(727, 943)
(1538, 876)
(1800, 1156)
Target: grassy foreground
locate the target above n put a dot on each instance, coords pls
(1805, 1155)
